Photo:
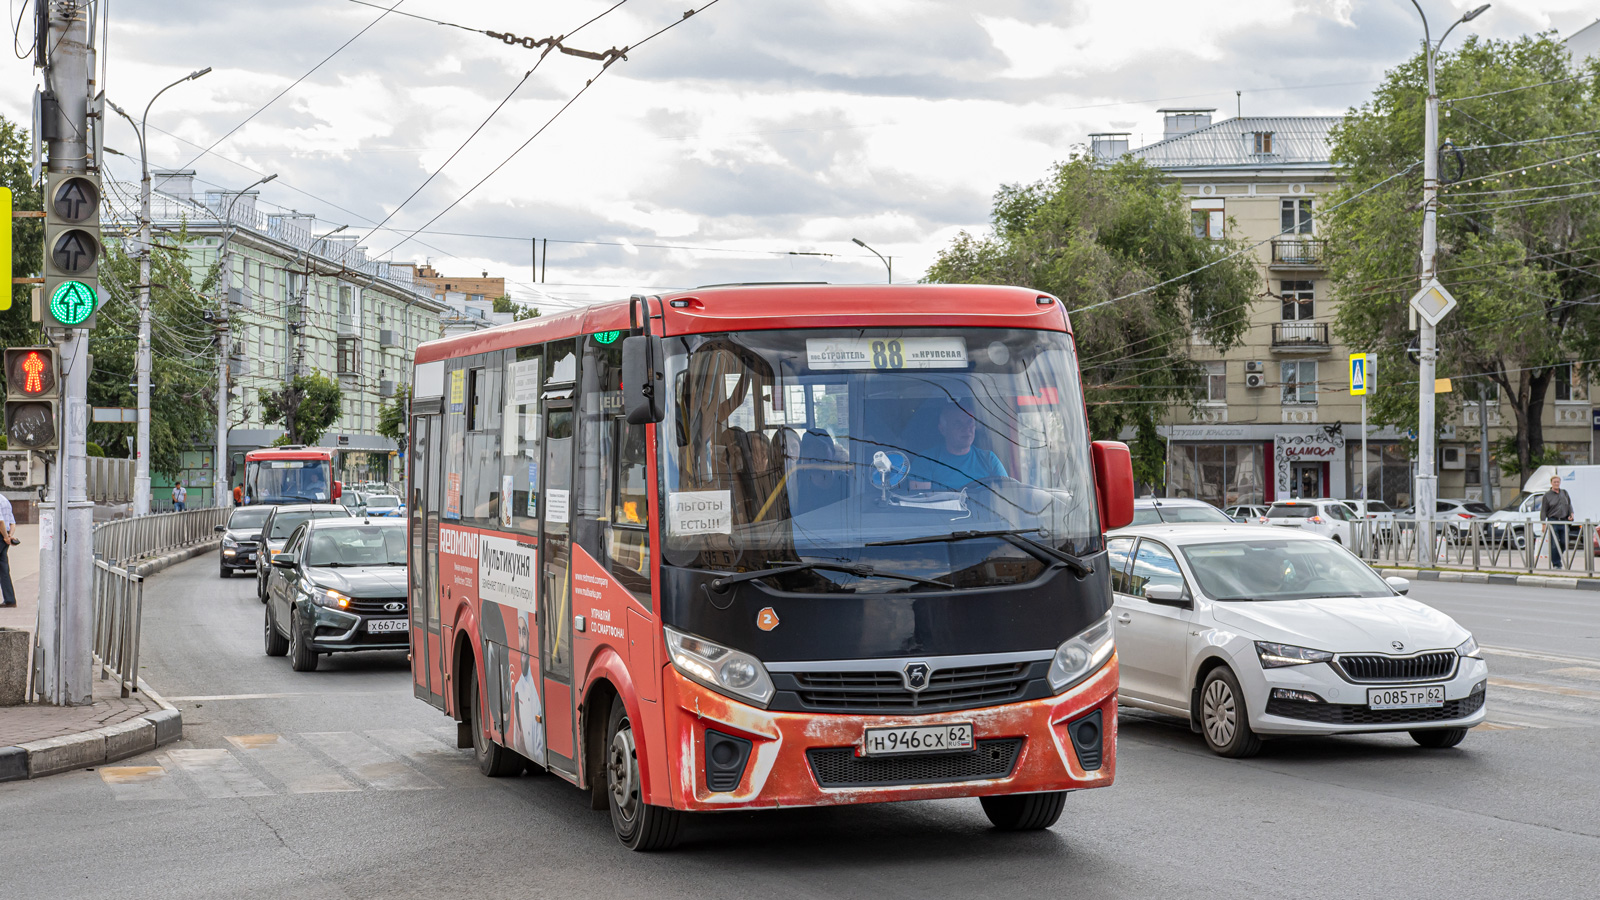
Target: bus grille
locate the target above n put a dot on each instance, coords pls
(1347, 714)
(1378, 668)
(840, 767)
(960, 687)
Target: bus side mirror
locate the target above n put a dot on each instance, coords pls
(1113, 482)
(338, 489)
(642, 379)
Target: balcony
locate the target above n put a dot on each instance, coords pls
(1298, 253)
(1300, 337)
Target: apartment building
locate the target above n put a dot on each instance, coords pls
(1278, 420)
(298, 303)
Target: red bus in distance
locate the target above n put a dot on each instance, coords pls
(753, 547)
(276, 475)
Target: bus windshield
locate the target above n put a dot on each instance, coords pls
(876, 447)
(287, 481)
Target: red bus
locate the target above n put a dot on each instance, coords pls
(290, 475)
(769, 546)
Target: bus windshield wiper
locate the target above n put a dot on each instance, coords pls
(1015, 536)
(860, 570)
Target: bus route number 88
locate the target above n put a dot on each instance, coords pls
(888, 355)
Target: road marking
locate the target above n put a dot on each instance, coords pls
(1545, 688)
(1586, 672)
(218, 775)
(370, 764)
(1546, 657)
(418, 746)
(140, 783)
(298, 770)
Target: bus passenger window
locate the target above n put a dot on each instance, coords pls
(628, 534)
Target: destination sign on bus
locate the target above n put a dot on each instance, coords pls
(823, 354)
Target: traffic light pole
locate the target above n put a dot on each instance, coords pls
(64, 669)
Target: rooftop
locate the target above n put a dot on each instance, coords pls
(1298, 141)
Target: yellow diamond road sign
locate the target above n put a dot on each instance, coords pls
(1433, 302)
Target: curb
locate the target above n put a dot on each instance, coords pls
(1538, 581)
(112, 742)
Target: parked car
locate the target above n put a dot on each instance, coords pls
(280, 523)
(1456, 514)
(1153, 510)
(338, 585)
(240, 537)
(384, 505)
(1249, 633)
(1329, 518)
(1246, 513)
(1379, 513)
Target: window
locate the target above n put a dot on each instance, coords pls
(1299, 382)
(1216, 382)
(1154, 564)
(482, 485)
(1261, 143)
(349, 356)
(520, 438)
(1118, 551)
(1299, 301)
(1569, 384)
(1296, 215)
(1219, 474)
(1207, 218)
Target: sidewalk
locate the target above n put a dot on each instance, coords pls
(36, 739)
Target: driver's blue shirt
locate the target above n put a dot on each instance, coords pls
(954, 471)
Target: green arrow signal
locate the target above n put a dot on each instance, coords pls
(72, 303)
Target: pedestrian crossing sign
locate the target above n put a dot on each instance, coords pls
(1360, 374)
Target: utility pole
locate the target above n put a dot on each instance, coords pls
(219, 481)
(66, 614)
(1427, 486)
(141, 464)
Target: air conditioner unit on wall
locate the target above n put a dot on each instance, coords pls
(1255, 365)
(1255, 380)
(1454, 459)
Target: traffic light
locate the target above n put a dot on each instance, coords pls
(32, 389)
(71, 251)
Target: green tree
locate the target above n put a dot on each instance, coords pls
(393, 416)
(306, 406)
(183, 374)
(1090, 235)
(17, 328)
(504, 304)
(1519, 241)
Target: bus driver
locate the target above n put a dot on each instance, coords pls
(954, 461)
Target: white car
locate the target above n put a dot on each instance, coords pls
(1249, 633)
(1378, 513)
(1173, 510)
(1329, 518)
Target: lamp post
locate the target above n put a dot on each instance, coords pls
(219, 481)
(1427, 486)
(141, 464)
(298, 327)
(887, 261)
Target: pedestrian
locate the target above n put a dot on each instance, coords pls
(180, 497)
(1556, 506)
(8, 595)
(238, 495)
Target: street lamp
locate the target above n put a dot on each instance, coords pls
(1427, 486)
(298, 328)
(141, 464)
(219, 475)
(887, 261)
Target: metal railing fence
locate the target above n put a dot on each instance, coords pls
(121, 541)
(118, 611)
(1481, 544)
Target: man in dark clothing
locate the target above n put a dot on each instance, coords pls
(1556, 506)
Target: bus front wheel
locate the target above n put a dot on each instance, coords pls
(638, 825)
(494, 760)
(1024, 812)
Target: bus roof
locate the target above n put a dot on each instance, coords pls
(282, 453)
(760, 307)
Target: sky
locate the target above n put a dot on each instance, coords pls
(718, 150)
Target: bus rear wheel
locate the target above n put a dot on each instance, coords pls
(1024, 812)
(638, 825)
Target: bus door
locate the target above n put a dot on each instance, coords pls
(422, 564)
(555, 597)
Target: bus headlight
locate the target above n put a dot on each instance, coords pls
(1081, 655)
(724, 670)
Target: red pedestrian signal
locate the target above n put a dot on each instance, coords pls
(32, 382)
(33, 374)
(30, 372)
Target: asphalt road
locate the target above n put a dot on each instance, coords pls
(339, 784)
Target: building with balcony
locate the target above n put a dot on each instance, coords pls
(296, 303)
(1278, 419)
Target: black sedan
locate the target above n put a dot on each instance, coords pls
(240, 538)
(281, 523)
(338, 585)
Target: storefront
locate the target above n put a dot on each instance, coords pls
(1226, 465)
